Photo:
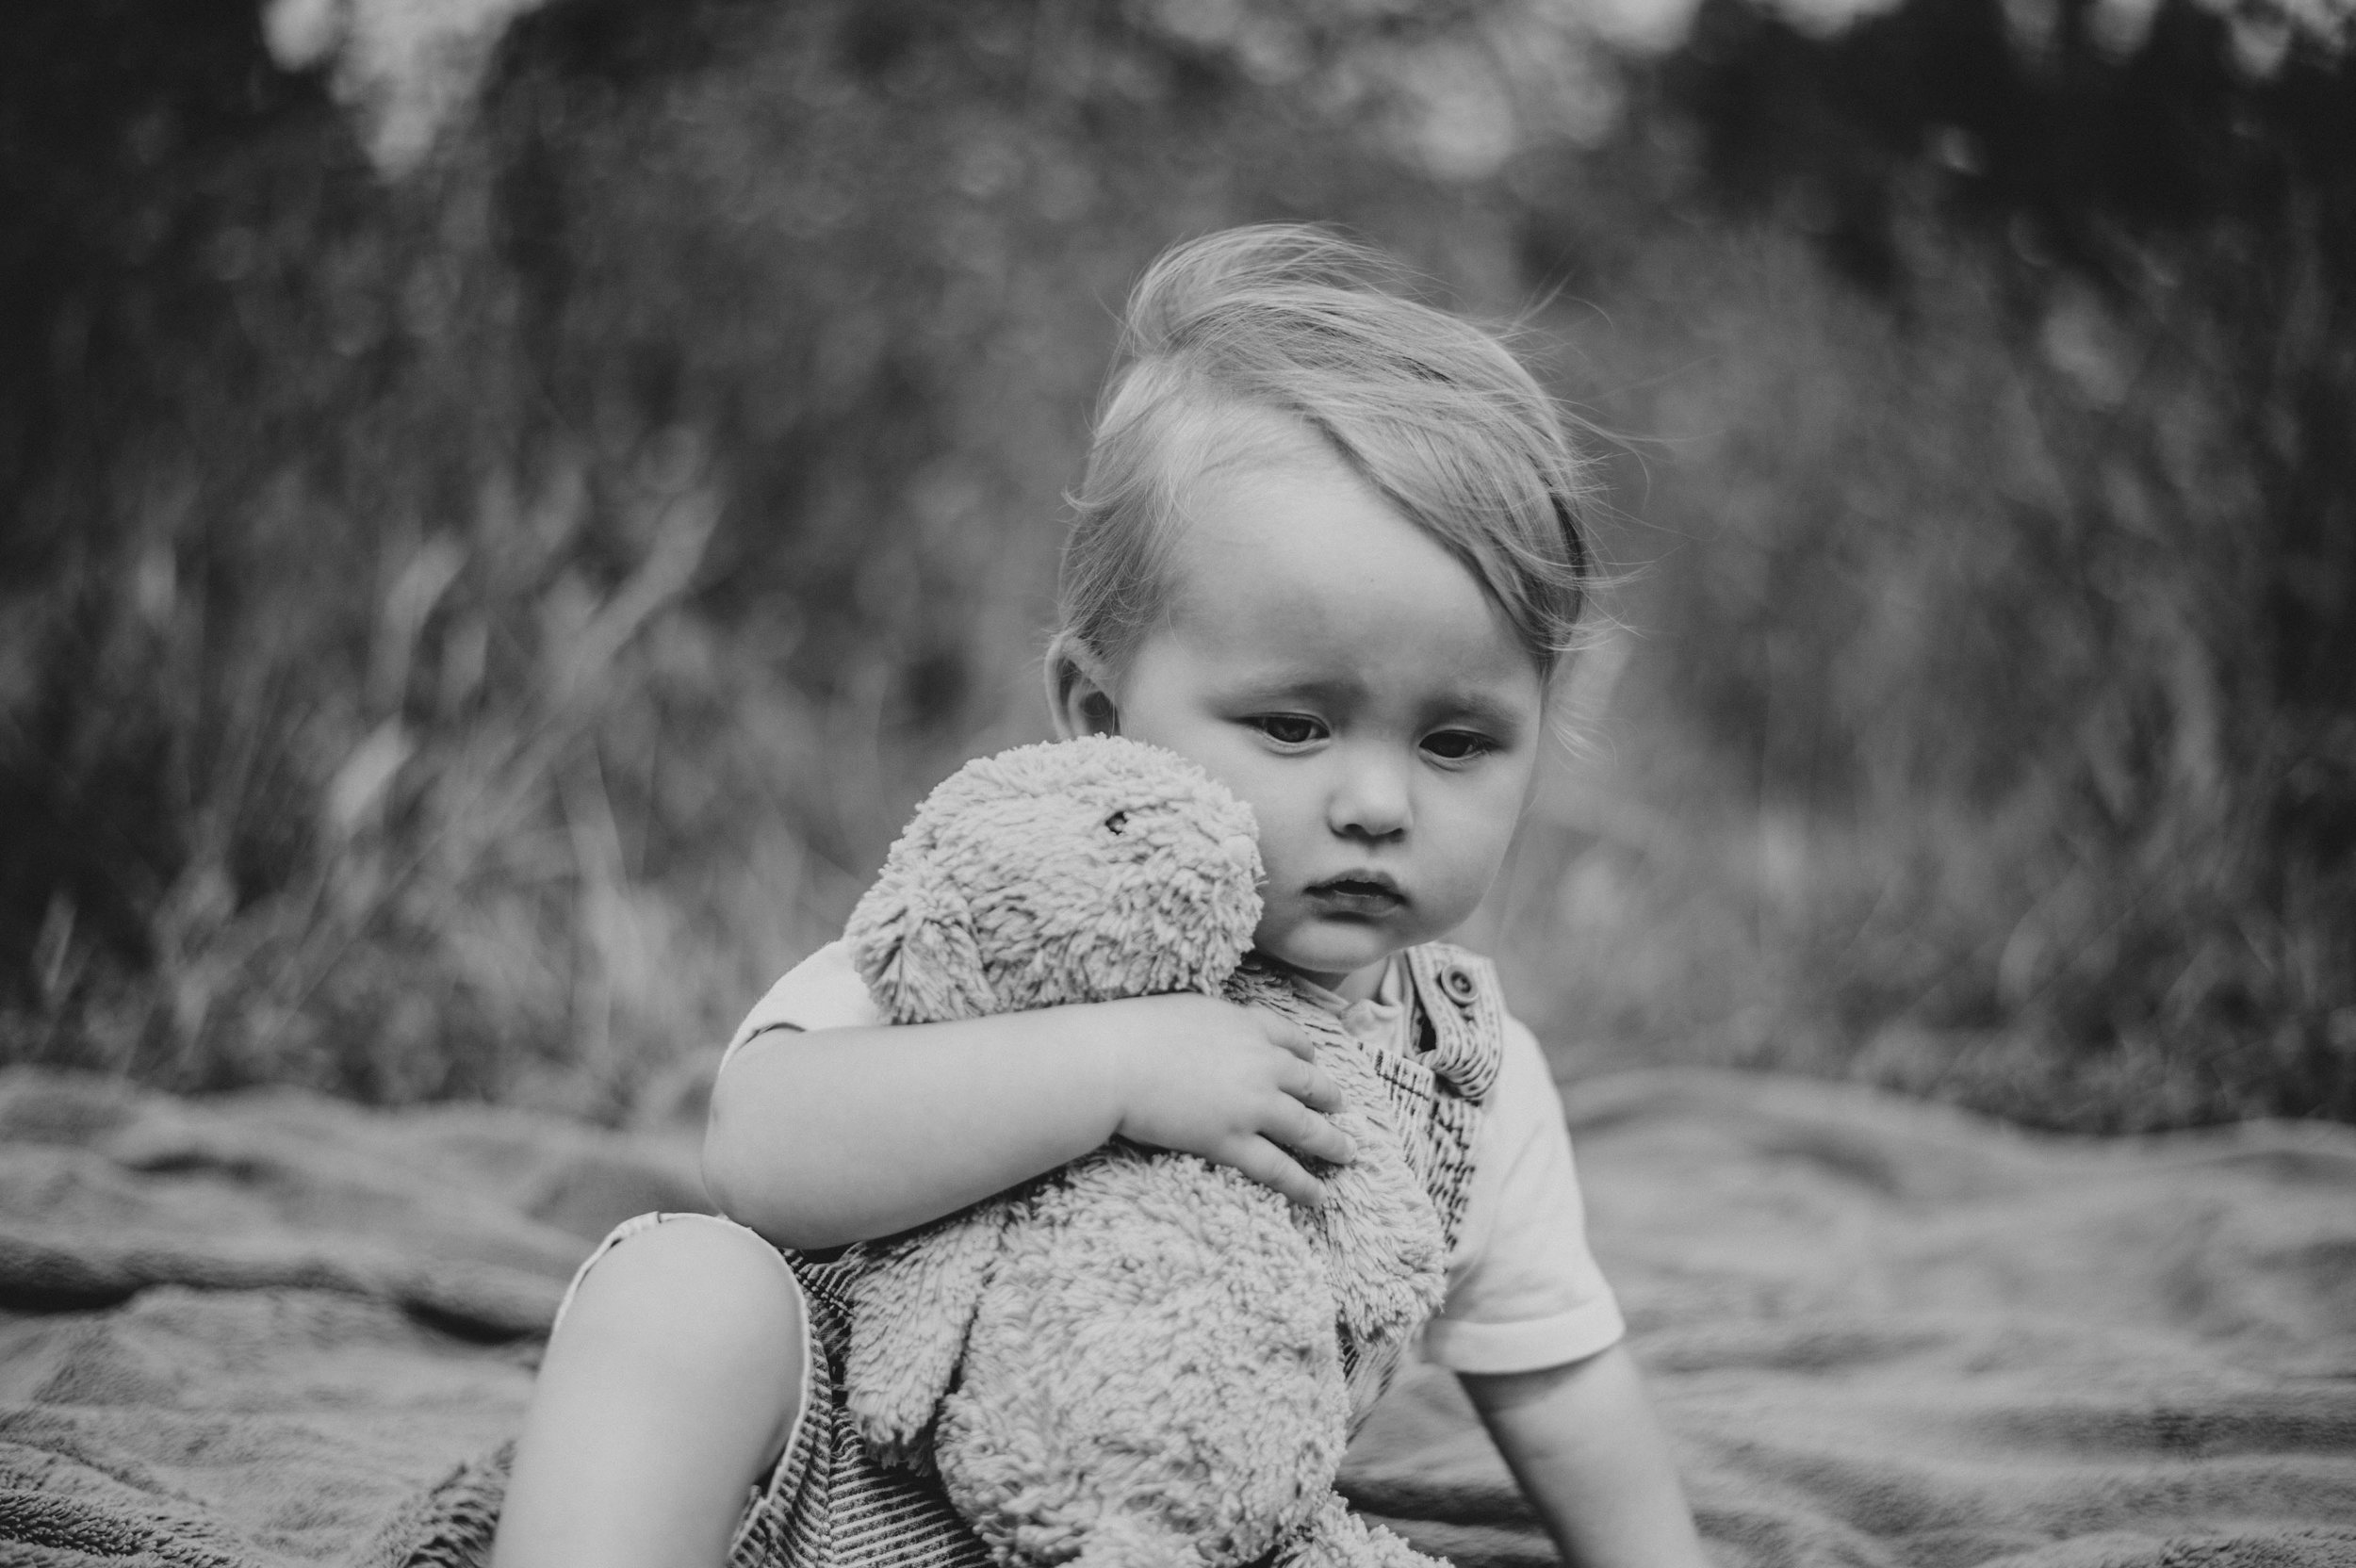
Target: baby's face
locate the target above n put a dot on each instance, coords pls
(1334, 666)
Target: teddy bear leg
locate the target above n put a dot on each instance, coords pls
(1336, 1538)
(910, 1312)
(1129, 1541)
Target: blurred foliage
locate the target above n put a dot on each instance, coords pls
(464, 633)
(2014, 589)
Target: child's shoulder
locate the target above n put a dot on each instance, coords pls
(822, 991)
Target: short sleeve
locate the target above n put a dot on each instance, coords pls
(822, 991)
(1524, 1291)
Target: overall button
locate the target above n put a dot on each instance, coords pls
(1458, 983)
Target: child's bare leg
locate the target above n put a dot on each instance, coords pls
(668, 1391)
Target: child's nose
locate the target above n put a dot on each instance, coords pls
(1371, 800)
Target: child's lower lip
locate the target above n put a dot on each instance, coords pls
(1357, 899)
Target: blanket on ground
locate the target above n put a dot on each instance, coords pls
(271, 1330)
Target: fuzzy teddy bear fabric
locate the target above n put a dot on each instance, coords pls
(1143, 1360)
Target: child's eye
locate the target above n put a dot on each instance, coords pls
(1458, 745)
(1289, 729)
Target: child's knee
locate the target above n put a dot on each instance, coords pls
(692, 1301)
(671, 1385)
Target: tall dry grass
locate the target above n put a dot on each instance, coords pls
(1973, 733)
(466, 636)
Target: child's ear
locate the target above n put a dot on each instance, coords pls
(1079, 690)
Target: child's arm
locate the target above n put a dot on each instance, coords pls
(1583, 1442)
(845, 1134)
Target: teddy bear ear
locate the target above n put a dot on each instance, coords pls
(912, 938)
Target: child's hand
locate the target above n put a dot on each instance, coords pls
(1238, 1086)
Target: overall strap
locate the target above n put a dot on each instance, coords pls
(1436, 1094)
(1461, 1009)
(1434, 1099)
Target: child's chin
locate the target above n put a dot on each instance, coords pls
(1333, 950)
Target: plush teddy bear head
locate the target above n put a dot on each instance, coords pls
(1144, 1358)
(1073, 871)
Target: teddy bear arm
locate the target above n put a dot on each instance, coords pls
(911, 1312)
(1381, 1240)
(1379, 1231)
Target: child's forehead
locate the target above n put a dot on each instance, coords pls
(1346, 608)
(1308, 537)
(1271, 533)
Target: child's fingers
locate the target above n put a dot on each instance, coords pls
(1271, 1166)
(1284, 1032)
(1303, 1129)
(1309, 1085)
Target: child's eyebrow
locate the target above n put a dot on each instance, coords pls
(1481, 709)
(1464, 705)
(1279, 687)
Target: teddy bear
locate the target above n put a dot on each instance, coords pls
(1142, 1360)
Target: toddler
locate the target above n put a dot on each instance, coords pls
(1329, 548)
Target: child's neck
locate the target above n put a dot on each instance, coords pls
(1359, 984)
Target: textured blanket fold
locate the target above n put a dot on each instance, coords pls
(274, 1330)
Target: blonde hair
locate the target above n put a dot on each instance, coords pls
(1431, 411)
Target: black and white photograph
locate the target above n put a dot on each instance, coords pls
(1178, 784)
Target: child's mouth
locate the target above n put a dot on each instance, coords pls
(1370, 896)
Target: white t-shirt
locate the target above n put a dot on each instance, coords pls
(1523, 1290)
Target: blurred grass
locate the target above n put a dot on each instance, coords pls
(1951, 740)
(464, 636)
